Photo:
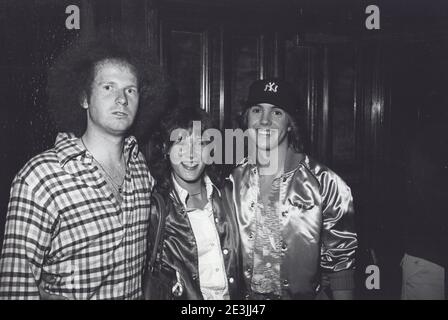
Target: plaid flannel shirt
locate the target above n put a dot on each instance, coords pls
(66, 230)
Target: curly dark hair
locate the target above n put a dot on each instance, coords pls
(71, 77)
(180, 117)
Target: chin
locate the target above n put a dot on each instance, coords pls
(120, 129)
(270, 145)
(264, 147)
(190, 178)
(190, 175)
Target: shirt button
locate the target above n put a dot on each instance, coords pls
(225, 251)
(285, 283)
(216, 220)
(268, 265)
(285, 214)
(217, 269)
(251, 236)
(284, 246)
(231, 280)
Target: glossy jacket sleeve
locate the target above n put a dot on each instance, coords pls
(339, 239)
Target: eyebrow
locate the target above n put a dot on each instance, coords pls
(113, 82)
(106, 82)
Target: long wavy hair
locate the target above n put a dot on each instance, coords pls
(157, 153)
(71, 77)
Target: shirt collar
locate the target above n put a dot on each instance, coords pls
(67, 149)
(293, 159)
(183, 194)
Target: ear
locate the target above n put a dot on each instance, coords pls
(83, 101)
(165, 148)
(290, 124)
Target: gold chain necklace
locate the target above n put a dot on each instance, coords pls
(116, 186)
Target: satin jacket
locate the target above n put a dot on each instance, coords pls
(179, 258)
(316, 216)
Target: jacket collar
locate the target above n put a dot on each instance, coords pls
(245, 169)
(293, 160)
(180, 195)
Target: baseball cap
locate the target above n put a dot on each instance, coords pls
(274, 91)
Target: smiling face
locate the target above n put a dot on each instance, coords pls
(270, 124)
(113, 101)
(188, 165)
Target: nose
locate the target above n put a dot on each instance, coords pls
(194, 149)
(191, 149)
(121, 98)
(265, 118)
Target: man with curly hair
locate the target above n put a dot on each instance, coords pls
(76, 225)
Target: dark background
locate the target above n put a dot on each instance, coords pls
(365, 92)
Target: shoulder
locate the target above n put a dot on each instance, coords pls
(318, 169)
(324, 176)
(140, 170)
(38, 182)
(240, 171)
(40, 168)
(313, 166)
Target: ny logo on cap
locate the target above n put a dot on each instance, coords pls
(271, 87)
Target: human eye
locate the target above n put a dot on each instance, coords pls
(107, 87)
(277, 112)
(205, 142)
(179, 139)
(132, 90)
(255, 109)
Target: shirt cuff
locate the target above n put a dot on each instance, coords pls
(342, 280)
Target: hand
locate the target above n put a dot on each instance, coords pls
(44, 295)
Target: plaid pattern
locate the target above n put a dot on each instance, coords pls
(64, 227)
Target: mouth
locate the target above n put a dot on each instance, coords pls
(120, 114)
(190, 166)
(266, 132)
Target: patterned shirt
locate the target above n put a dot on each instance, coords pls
(267, 244)
(66, 231)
